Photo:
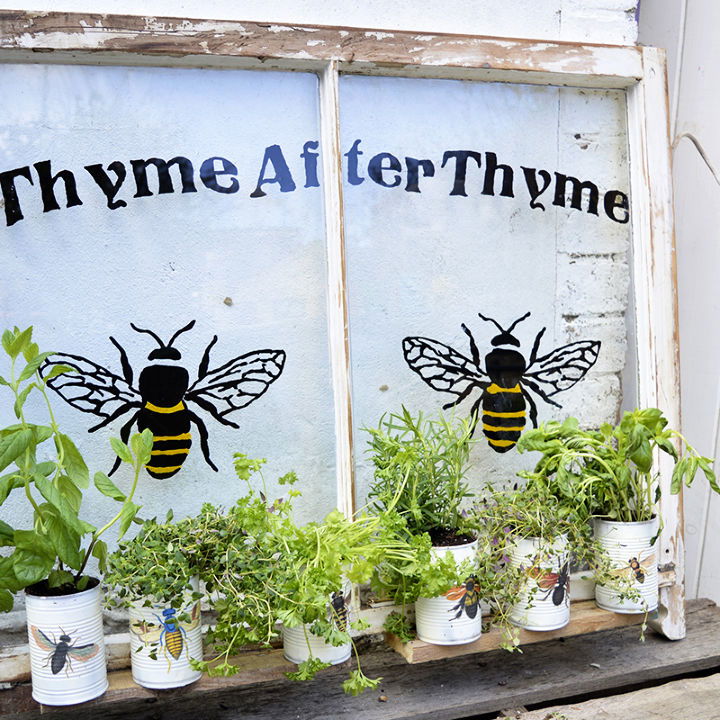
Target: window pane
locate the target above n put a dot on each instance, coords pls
(484, 198)
(167, 225)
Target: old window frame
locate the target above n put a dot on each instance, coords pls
(94, 39)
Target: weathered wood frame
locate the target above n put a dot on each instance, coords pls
(73, 38)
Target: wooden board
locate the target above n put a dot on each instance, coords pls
(443, 690)
(585, 617)
(689, 698)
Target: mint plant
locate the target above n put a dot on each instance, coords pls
(44, 465)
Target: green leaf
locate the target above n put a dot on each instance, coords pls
(141, 444)
(21, 398)
(72, 495)
(18, 342)
(8, 483)
(7, 338)
(107, 487)
(34, 556)
(30, 351)
(58, 577)
(31, 368)
(74, 464)
(706, 467)
(7, 534)
(100, 551)
(8, 581)
(121, 450)
(6, 601)
(63, 508)
(42, 433)
(65, 540)
(56, 370)
(127, 514)
(13, 446)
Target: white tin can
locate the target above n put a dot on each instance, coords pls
(634, 556)
(67, 649)
(163, 640)
(454, 618)
(299, 644)
(545, 596)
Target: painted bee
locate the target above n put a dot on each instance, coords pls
(339, 609)
(557, 584)
(467, 597)
(169, 633)
(637, 567)
(505, 381)
(160, 400)
(62, 652)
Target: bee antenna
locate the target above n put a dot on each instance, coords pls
(189, 326)
(518, 321)
(148, 332)
(494, 322)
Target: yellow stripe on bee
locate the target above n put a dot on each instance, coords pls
(495, 389)
(178, 451)
(161, 438)
(151, 468)
(495, 428)
(491, 413)
(501, 443)
(161, 409)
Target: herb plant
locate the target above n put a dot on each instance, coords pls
(420, 466)
(46, 467)
(260, 569)
(609, 472)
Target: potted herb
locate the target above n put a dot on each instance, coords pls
(420, 468)
(262, 569)
(155, 576)
(610, 475)
(49, 560)
(534, 535)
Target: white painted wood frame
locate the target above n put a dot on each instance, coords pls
(330, 51)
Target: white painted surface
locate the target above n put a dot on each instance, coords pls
(422, 263)
(597, 21)
(84, 273)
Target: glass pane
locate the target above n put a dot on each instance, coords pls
(465, 199)
(141, 205)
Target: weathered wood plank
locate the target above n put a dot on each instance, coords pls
(311, 46)
(689, 698)
(585, 617)
(444, 690)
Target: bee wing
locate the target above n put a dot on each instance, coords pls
(455, 593)
(648, 561)
(565, 366)
(547, 580)
(627, 570)
(42, 640)
(443, 368)
(148, 632)
(194, 618)
(238, 382)
(91, 388)
(83, 653)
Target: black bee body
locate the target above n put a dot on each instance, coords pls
(503, 401)
(60, 654)
(162, 388)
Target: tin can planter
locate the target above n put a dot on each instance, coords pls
(163, 640)
(67, 649)
(545, 597)
(455, 617)
(632, 547)
(300, 644)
